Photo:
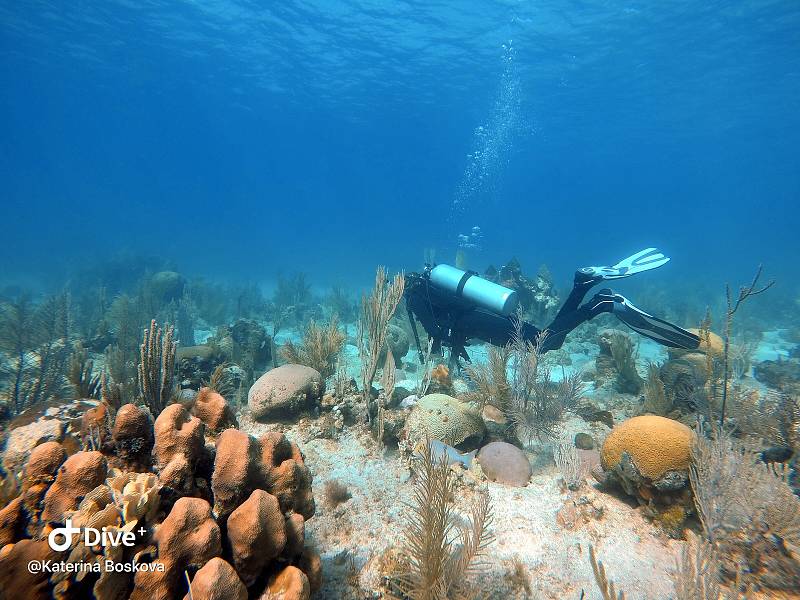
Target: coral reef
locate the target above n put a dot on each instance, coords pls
(195, 364)
(749, 512)
(251, 542)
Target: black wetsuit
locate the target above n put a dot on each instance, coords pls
(452, 321)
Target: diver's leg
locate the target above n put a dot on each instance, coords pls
(583, 281)
(567, 320)
(588, 277)
(659, 330)
(606, 301)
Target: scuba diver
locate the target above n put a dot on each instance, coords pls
(455, 306)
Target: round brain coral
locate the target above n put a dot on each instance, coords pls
(656, 445)
(446, 419)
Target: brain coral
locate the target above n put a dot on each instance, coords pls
(447, 419)
(655, 444)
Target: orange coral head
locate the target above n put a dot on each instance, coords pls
(441, 375)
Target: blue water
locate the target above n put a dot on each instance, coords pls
(243, 139)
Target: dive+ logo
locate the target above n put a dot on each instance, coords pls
(91, 537)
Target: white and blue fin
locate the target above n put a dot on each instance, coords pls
(649, 258)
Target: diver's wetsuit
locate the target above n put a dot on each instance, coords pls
(451, 320)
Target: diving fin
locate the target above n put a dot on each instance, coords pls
(652, 327)
(649, 258)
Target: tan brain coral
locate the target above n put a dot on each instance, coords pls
(655, 444)
(447, 419)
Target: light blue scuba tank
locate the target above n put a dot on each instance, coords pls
(477, 290)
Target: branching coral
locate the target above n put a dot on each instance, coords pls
(745, 293)
(439, 554)
(37, 340)
(749, 512)
(376, 310)
(696, 576)
(491, 379)
(624, 354)
(81, 374)
(655, 396)
(320, 347)
(292, 297)
(565, 455)
(607, 588)
(157, 367)
(537, 402)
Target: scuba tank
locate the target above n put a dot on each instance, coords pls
(477, 290)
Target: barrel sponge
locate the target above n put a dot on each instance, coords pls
(655, 444)
(447, 419)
